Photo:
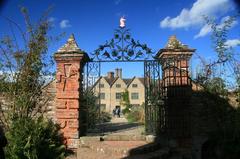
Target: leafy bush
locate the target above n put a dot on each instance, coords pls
(94, 116)
(89, 103)
(105, 117)
(34, 139)
(24, 69)
(127, 109)
(136, 114)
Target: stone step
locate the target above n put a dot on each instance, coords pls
(124, 138)
(118, 137)
(158, 154)
(119, 145)
(120, 152)
(111, 148)
(97, 147)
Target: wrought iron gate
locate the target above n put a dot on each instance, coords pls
(123, 48)
(154, 98)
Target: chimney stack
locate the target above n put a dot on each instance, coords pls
(110, 75)
(118, 72)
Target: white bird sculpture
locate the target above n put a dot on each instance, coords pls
(122, 22)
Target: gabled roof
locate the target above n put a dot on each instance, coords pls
(125, 80)
(128, 81)
(141, 79)
(101, 77)
(111, 81)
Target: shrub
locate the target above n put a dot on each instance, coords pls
(127, 109)
(136, 114)
(89, 103)
(105, 117)
(94, 115)
(34, 139)
(24, 69)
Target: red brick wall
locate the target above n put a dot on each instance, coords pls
(176, 73)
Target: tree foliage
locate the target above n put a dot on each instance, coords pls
(226, 59)
(216, 86)
(23, 71)
(225, 139)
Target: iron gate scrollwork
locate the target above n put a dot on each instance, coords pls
(122, 47)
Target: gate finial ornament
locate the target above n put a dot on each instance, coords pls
(122, 22)
(70, 46)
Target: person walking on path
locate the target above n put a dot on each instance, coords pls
(114, 112)
(3, 143)
(118, 112)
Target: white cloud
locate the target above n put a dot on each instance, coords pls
(116, 2)
(51, 19)
(65, 24)
(194, 16)
(206, 29)
(224, 19)
(232, 43)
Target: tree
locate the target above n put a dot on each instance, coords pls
(226, 58)
(216, 86)
(225, 138)
(23, 71)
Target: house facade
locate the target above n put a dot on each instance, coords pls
(109, 88)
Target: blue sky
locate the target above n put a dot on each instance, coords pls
(151, 21)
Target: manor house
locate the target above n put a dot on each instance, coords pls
(110, 89)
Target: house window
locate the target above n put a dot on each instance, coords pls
(102, 95)
(118, 95)
(101, 85)
(118, 85)
(134, 95)
(134, 85)
(103, 107)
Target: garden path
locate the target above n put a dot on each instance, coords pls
(120, 126)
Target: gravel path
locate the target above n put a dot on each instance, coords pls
(118, 126)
